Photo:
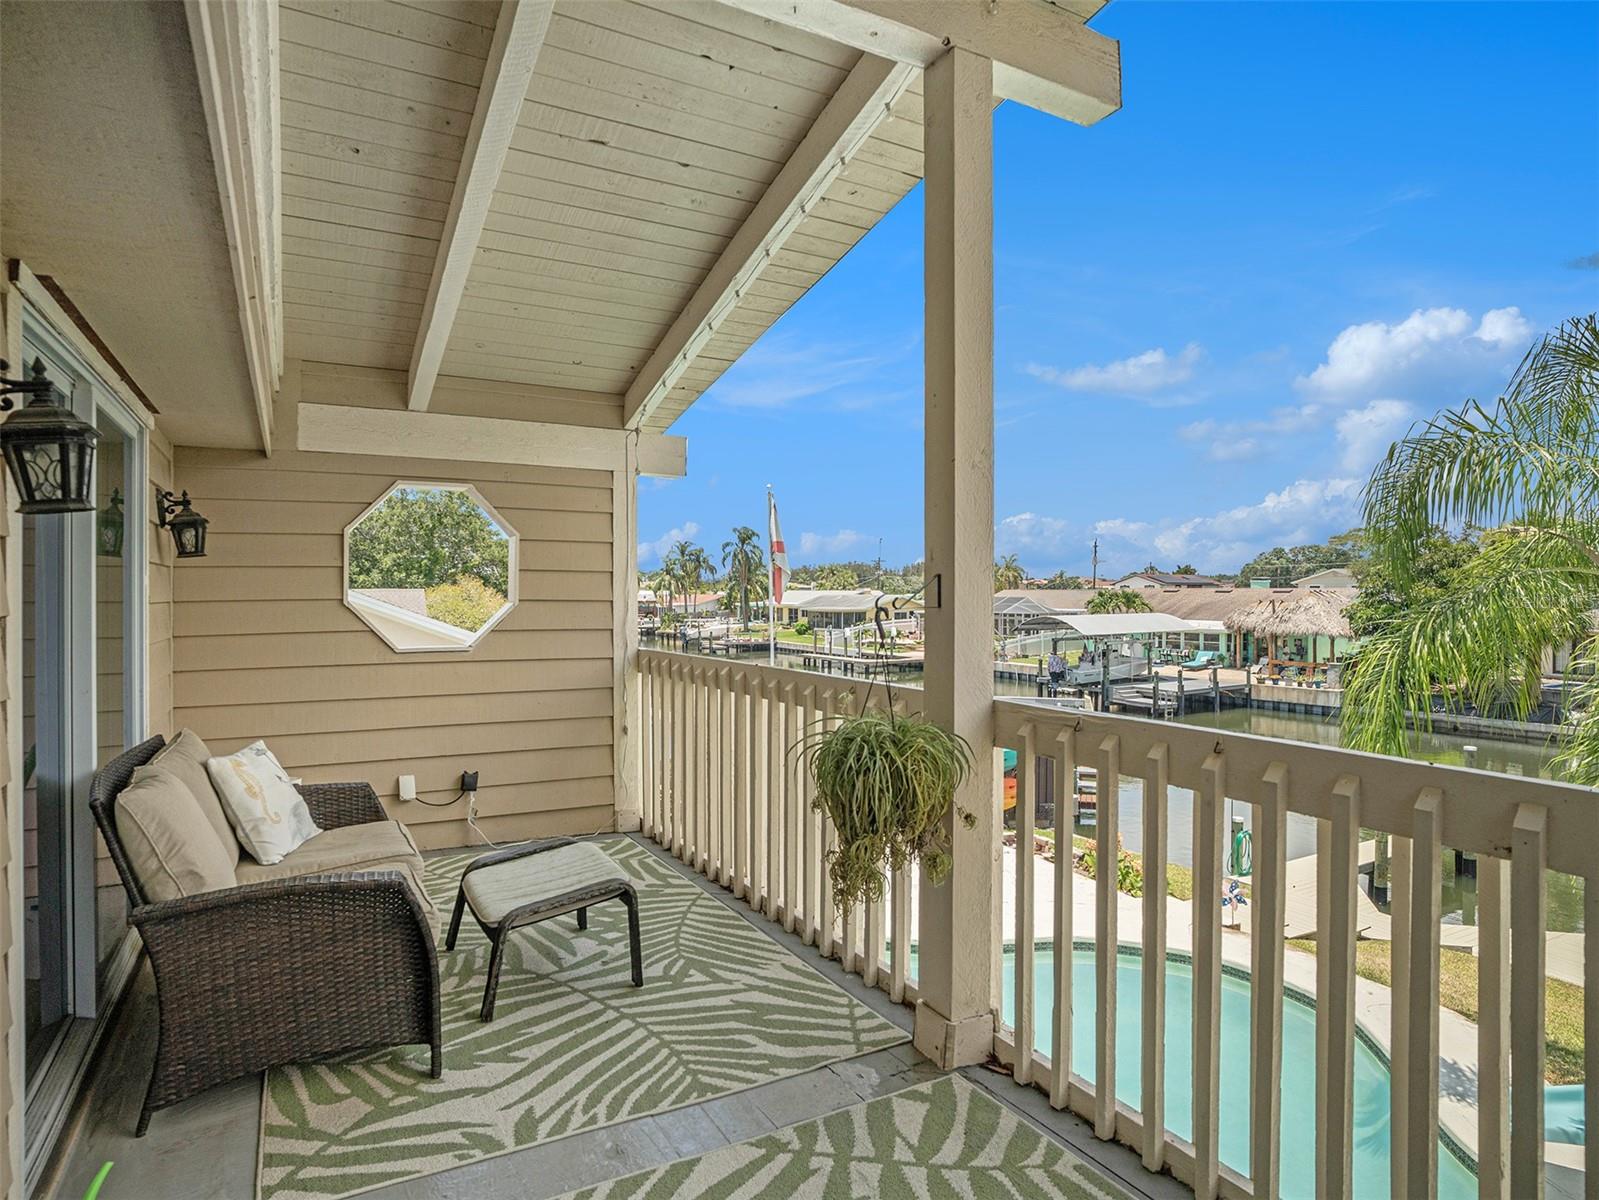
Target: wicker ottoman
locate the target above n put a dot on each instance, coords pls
(523, 884)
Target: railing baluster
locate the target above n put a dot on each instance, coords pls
(741, 784)
(872, 957)
(694, 833)
(1026, 785)
(1493, 1028)
(1210, 815)
(812, 823)
(1105, 893)
(829, 909)
(718, 773)
(1400, 894)
(1529, 859)
(1590, 1028)
(1266, 983)
(791, 809)
(760, 791)
(900, 923)
(679, 761)
(1157, 774)
(703, 766)
(1065, 790)
(826, 712)
(726, 797)
(1426, 878)
(775, 798)
(1335, 978)
(646, 701)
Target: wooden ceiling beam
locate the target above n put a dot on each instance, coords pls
(235, 55)
(518, 38)
(861, 102)
(1043, 55)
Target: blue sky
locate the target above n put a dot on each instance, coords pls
(1309, 225)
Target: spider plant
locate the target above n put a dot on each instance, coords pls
(887, 783)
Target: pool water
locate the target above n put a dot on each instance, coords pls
(1455, 1179)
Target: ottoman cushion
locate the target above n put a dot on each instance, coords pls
(494, 891)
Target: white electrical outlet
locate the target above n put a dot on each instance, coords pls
(407, 787)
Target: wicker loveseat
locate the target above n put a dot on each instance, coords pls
(286, 966)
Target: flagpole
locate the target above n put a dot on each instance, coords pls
(771, 568)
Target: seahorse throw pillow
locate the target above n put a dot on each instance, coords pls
(266, 811)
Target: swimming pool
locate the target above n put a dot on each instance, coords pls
(1455, 1180)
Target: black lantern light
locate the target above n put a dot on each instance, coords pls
(49, 450)
(187, 526)
(111, 526)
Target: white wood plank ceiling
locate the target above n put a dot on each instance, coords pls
(649, 132)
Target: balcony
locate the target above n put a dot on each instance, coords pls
(1464, 1109)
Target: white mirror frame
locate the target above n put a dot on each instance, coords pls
(426, 624)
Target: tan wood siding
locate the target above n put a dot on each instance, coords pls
(264, 647)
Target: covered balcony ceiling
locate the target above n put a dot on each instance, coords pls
(647, 135)
(605, 199)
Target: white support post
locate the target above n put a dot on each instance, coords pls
(624, 641)
(954, 1013)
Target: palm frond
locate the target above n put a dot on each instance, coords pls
(1481, 643)
(1531, 457)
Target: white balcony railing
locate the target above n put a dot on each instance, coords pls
(724, 792)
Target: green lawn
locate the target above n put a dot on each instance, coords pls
(1457, 991)
(1179, 880)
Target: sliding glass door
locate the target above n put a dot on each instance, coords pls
(83, 702)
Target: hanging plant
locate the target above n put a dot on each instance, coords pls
(887, 783)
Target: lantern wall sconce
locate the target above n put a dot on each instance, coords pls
(112, 526)
(187, 526)
(49, 450)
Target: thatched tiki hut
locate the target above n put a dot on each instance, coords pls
(1295, 624)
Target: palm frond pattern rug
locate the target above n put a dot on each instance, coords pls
(946, 1138)
(573, 1045)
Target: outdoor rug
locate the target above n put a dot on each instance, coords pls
(573, 1045)
(947, 1138)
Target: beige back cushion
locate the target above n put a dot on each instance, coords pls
(185, 757)
(171, 847)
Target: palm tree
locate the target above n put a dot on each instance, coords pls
(1008, 573)
(691, 565)
(1527, 471)
(1117, 600)
(742, 557)
(671, 571)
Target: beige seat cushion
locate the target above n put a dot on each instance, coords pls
(375, 846)
(494, 891)
(185, 757)
(168, 842)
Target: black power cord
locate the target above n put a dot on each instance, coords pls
(440, 803)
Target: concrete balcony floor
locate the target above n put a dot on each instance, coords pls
(205, 1148)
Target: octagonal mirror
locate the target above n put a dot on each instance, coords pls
(430, 566)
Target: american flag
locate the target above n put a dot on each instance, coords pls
(779, 554)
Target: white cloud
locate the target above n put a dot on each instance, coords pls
(1434, 349)
(781, 371)
(1031, 533)
(1504, 327)
(1118, 527)
(1307, 510)
(649, 552)
(1142, 374)
(834, 543)
(1366, 433)
(1235, 441)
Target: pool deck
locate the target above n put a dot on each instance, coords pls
(1457, 1037)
